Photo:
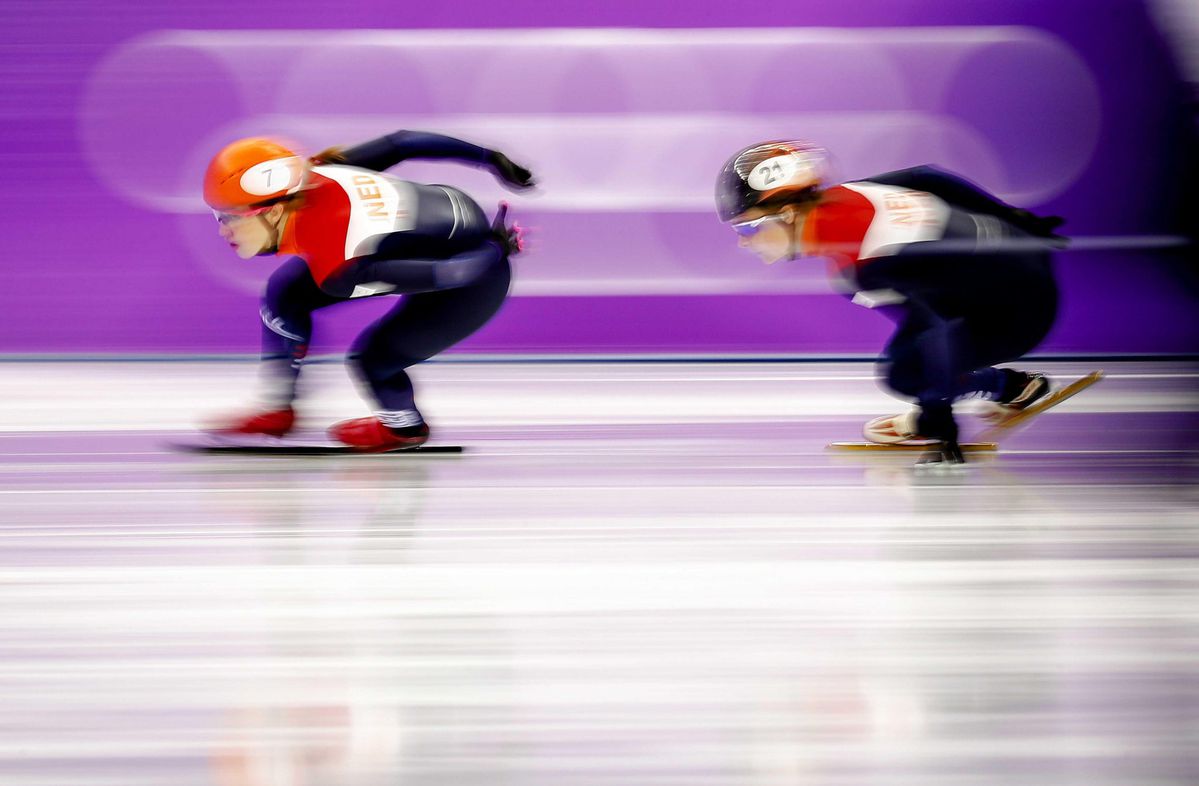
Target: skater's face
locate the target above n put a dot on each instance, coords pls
(251, 234)
(769, 234)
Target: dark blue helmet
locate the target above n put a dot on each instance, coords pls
(766, 170)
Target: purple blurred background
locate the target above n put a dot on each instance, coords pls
(626, 111)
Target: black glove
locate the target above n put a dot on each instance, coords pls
(510, 172)
(332, 155)
(1040, 226)
(509, 238)
(936, 422)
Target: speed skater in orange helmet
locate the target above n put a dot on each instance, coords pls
(350, 231)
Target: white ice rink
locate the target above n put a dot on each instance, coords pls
(636, 574)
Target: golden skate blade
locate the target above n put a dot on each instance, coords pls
(875, 447)
(1052, 399)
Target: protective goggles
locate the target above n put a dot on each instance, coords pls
(751, 228)
(225, 219)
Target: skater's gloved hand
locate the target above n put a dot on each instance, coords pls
(510, 240)
(511, 173)
(1040, 226)
(944, 456)
(332, 155)
(936, 421)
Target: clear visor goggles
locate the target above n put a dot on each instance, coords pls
(751, 228)
(226, 218)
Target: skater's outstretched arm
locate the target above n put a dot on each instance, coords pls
(961, 193)
(388, 150)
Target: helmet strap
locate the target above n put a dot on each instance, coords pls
(792, 225)
(273, 233)
(799, 216)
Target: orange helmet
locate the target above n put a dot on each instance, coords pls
(249, 172)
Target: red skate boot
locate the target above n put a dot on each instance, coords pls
(271, 423)
(369, 435)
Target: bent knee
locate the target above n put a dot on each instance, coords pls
(904, 378)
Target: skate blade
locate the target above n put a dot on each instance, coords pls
(236, 441)
(1050, 400)
(876, 447)
(281, 447)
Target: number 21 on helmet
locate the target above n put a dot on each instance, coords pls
(767, 170)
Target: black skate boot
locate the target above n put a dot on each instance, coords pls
(1022, 388)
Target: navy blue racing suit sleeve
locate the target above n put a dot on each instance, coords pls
(389, 150)
(963, 194)
(955, 190)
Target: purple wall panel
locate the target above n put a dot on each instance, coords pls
(115, 106)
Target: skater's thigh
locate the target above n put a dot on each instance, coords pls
(921, 349)
(424, 324)
(1014, 313)
(991, 308)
